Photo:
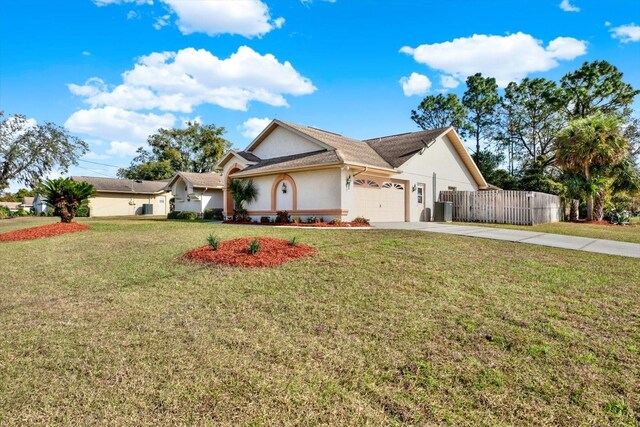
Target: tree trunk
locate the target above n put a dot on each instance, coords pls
(590, 207)
(598, 209)
(574, 210)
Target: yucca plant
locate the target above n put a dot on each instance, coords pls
(66, 195)
(254, 247)
(214, 241)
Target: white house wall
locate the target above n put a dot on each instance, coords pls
(282, 142)
(121, 204)
(443, 160)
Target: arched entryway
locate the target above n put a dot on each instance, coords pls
(284, 194)
(228, 194)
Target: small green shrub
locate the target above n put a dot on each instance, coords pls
(293, 241)
(213, 241)
(215, 214)
(172, 215)
(361, 220)
(265, 220)
(335, 221)
(254, 247)
(620, 217)
(315, 220)
(283, 217)
(83, 211)
(296, 220)
(19, 213)
(4, 212)
(187, 215)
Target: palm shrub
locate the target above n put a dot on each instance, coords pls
(66, 195)
(213, 241)
(254, 246)
(590, 146)
(243, 192)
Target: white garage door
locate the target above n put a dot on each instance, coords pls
(379, 201)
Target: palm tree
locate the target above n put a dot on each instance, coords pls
(66, 195)
(243, 192)
(588, 145)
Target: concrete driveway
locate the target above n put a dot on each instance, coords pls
(601, 246)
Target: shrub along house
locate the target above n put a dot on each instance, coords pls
(125, 197)
(312, 172)
(196, 192)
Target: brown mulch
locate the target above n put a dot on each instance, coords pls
(236, 253)
(301, 224)
(42, 231)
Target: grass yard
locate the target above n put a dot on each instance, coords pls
(380, 328)
(627, 233)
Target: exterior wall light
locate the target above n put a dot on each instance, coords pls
(348, 182)
(413, 189)
(284, 188)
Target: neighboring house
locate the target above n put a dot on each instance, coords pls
(196, 192)
(312, 172)
(40, 204)
(12, 206)
(124, 197)
(27, 203)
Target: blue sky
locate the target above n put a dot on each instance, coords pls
(114, 70)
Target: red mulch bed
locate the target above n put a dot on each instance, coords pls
(235, 253)
(42, 231)
(301, 224)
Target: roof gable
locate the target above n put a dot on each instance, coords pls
(398, 149)
(198, 180)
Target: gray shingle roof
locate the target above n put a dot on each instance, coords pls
(294, 161)
(203, 180)
(397, 149)
(123, 185)
(27, 201)
(248, 156)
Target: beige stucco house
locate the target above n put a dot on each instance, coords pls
(125, 197)
(196, 192)
(312, 172)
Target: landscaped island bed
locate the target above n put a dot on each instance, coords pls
(42, 231)
(378, 328)
(235, 253)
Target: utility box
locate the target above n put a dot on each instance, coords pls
(147, 209)
(443, 212)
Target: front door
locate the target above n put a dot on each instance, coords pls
(421, 202)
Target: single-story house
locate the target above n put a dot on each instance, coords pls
(12, 206)
(124, 197)
(27, 203)
(312, 172)
(196, 192)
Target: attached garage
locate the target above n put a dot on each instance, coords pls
(379, 200)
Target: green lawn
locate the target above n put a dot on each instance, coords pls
(627, 233)
(380, 328)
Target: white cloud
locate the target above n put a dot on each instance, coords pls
(249, 18)
(607, 23)
(253, 126)
(626, 33)
(132, 14)
(86, 53)
(122, 149)
(415, 84)
(449, 82)
(568, 7)
(116, 124)
(180, 81)
(507, 58)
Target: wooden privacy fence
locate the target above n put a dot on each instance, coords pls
(504, 207)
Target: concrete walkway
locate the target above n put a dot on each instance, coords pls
(601, 246)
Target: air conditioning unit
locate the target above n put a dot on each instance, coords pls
(443, 212)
